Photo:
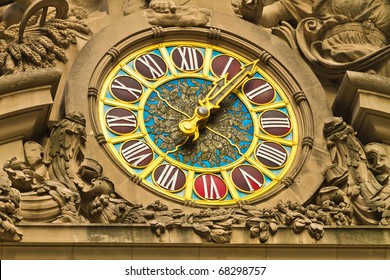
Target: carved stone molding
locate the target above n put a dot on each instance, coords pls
(93, 92)
(265, 57)
(158, 31)
(114, 53)
(101, 139)
(299, 96)
(215, 34)
(308, 141)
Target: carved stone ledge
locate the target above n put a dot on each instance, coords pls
(368, 97)
(338, 239)
(24, 113)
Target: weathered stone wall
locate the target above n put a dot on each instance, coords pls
(58, 181)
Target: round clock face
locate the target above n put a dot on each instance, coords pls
(246, 131)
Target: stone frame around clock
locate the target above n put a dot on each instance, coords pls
(304, 91)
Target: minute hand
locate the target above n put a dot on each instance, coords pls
(214, 98)
(222, 88)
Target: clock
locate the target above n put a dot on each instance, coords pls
(218, 115)
(197, 121)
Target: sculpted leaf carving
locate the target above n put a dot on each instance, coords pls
(213, 225)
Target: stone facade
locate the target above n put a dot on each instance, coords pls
(61, 188)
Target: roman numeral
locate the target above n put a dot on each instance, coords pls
(168, 177)
(189, 59)
(151, 63)
(212, 188)
(128, 121)
(136, 153)
(258, 91)
(226, 69)
(270, 153)
(271, 122)
(116, 84)
(249, 179)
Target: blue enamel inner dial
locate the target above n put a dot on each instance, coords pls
(226, 137)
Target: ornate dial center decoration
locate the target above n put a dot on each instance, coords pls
(197, 122)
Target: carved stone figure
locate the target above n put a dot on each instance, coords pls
(9, 210)
(165, 13)
(60, 185)
(351, 174)
(334, 36)
(161, 6)
(378, 162)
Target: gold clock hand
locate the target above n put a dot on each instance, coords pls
(213, 99)
(222, 88)
(190, 126)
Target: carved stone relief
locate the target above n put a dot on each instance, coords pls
(38, 41)
(9, 210)
(165, 13)
(333, 36)
(74, 190)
